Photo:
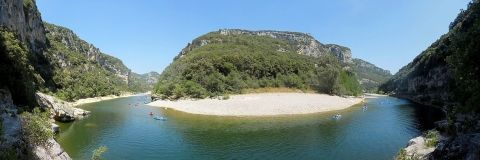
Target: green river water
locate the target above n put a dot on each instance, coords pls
(124, 126)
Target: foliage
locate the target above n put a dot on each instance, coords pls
(36, 128)
(75, 75)
(402, 155)
(19, 75)
(9, 153)
(348, 84)
(27, 3)
(235, 63)
(454, 56)
(142, 82)
(465, 56)
(97, 153)
(431, 138)
(371, 75)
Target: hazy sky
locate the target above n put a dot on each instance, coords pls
(147, 34)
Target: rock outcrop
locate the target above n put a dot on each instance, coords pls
(418, 149)
(22, 17)
(52, 152)
(61, 110)
(305, 44)
(427, 79)
(465, 146)
(10, 131)
(11, 138)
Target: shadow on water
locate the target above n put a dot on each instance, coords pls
(130, 133)
(426, 116)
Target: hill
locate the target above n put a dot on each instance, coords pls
(369, 75)
(80, 70)
(233, 61)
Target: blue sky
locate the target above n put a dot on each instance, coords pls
(147, 34)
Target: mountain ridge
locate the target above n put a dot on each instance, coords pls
(305, 44)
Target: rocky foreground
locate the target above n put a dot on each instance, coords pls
(11, 138)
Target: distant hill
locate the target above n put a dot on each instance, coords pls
(369, 75)
(143, 82)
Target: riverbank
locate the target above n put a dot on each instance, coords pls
(261, 104)
(98, 99)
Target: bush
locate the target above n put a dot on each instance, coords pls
(431, 138)
(402, 155)
(18, 74)
(36, 127)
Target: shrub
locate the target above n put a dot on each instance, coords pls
(431, 138)
(36, 127)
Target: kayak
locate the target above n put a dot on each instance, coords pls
(160, 118)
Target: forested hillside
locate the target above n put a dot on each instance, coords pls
(219, 63)
(81, 70)
(369, 75)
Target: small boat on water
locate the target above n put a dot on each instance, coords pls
(150, 114)
(160, 118)
(337, 116)
(364, 107)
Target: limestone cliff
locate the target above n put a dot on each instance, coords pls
(22, 17)
(304, 43)
(445, 75)
(73, 43)
(369, 75)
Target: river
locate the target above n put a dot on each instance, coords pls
(125, 128)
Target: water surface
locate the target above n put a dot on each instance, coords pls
(124, 126)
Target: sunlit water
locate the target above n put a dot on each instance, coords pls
(130, 133)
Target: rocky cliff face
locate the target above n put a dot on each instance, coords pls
(445, 75)
(11, 140)
(74, 43)
(427, 79)
(22, 17)
(304, 43)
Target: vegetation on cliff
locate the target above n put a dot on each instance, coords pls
(80, 70)
(446, 75)
(36, 127)
(232, 63)
(75, 75)
(465, 56)
(15, 66)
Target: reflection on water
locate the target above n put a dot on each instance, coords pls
(377, 132)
